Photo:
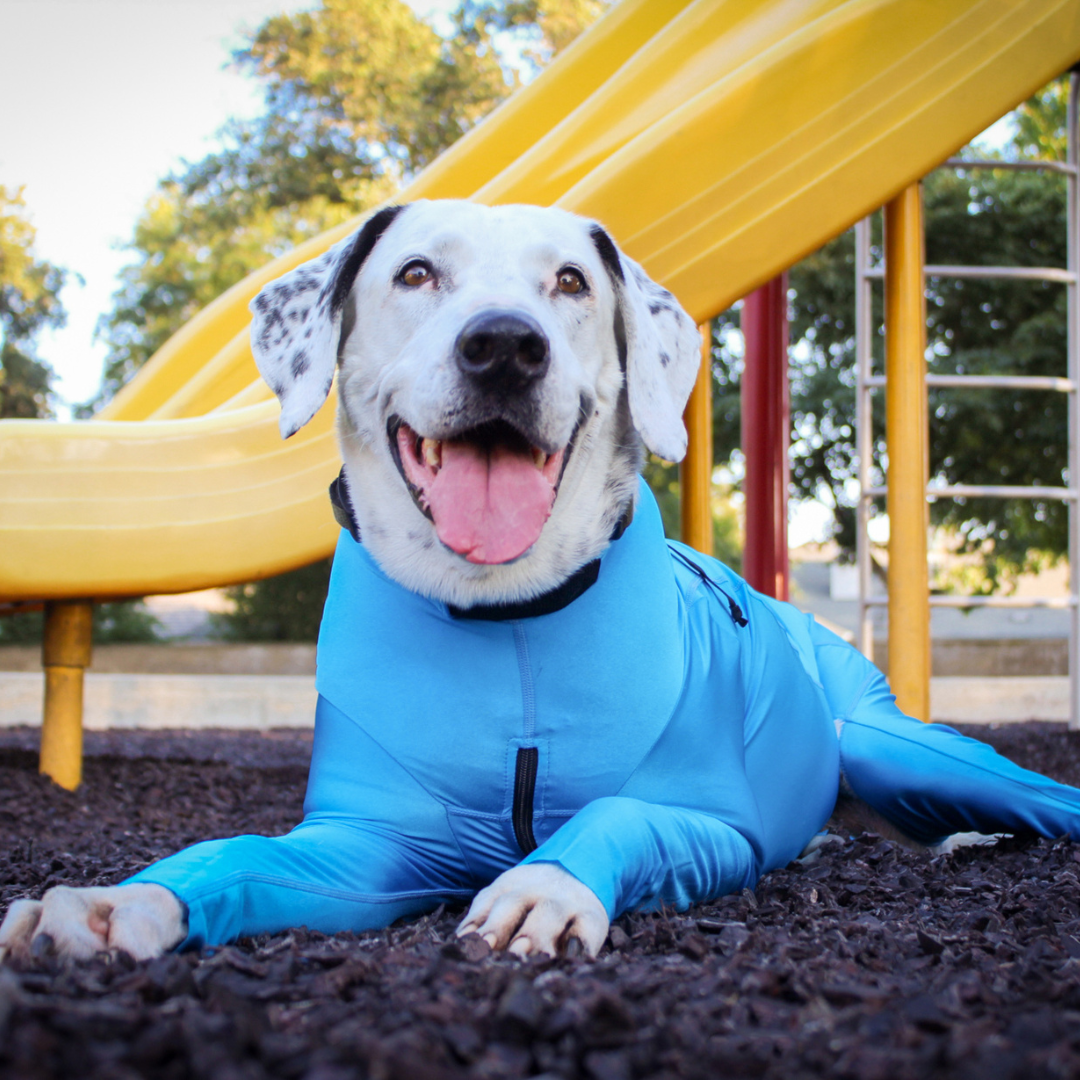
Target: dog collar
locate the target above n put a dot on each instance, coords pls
(342, 504)
(554, 600)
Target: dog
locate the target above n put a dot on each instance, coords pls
(530, 701)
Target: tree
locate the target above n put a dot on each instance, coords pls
(287, 607)
(360, 95)
(977, 217)
(29, 302)
(122, 621)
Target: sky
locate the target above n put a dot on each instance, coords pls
(102, 99)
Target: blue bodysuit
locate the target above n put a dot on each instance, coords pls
(666, 737)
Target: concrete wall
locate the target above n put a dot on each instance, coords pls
(1020, 656)
(203, 658)
(991, 657)
(170, 701)
(267, 686)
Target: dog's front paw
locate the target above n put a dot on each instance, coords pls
(535, 909)
(142, 920)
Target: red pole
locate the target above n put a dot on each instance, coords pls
(765, 420)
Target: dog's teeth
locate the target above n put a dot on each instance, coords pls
(432, 451)
(539, 457)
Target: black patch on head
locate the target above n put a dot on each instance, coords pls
(361, 248)
(300, 363)
(619, 330)
(664, 359)
(608, 252)
(348, 324)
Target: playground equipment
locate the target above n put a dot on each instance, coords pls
(906, 424)
(718, 142)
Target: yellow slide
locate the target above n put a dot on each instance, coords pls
(719, 141)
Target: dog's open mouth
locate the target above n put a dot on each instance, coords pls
(488, 490)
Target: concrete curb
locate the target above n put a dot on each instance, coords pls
(261, 702)
(1002, 699)
(171, 701)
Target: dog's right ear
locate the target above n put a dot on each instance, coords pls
(296, 325)
(659, 349)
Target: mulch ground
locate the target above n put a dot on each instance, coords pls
(872, 962)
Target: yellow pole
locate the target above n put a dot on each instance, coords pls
(695, 473)
(907, 440)
(65, 654)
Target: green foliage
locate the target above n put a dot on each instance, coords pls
(544, 27)
(1040, 123)
(283, 608)
(120, 622)
(360, 95)
(29, 302)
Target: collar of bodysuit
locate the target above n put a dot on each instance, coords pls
(553, 600)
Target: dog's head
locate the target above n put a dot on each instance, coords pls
(496, 368)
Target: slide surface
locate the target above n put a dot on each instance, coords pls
(719, 141)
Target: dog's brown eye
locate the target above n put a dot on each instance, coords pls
(414, 274)
(570, 281)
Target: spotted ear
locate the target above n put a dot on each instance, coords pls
(296, 329)
(660, 347)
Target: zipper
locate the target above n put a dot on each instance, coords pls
(736, 612)
(528, 758)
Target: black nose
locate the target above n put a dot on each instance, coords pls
(503, 350)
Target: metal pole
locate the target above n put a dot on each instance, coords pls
(907, 439)
(65, 654)
(695, 473)
(1072, 219)
(864, 430)
(765, 433)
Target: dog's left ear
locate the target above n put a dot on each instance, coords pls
(296, 330)
(659, 348)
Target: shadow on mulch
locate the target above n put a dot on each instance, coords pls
(873, 961)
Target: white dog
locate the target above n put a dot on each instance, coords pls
(583, 371)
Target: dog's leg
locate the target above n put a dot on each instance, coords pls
(927, 780)
(537, 909)
(932, 782)
(141, 920)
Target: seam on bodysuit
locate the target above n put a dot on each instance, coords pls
(528, 691)
(241, 877)
(457, 843)
(953, 757)
(858, 695)
(407, 771)
(705, 595)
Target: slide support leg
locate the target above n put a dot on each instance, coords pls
(695, 473)
(65, 654)
(766, 412)
(907, 440)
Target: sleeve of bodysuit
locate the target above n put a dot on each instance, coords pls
(636, 854)
(341, 868)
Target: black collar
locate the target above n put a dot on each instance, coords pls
(555, 599)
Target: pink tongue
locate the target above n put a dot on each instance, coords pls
(488, 505)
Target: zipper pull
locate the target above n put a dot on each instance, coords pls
(737, 617)
(736, 612)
